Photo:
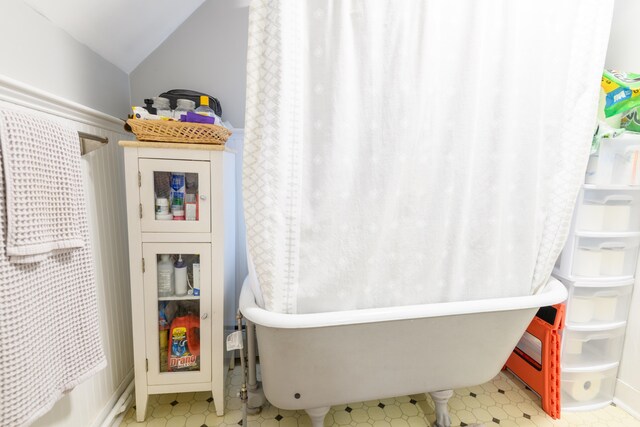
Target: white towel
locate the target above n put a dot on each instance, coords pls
(43, 180)
(49, 331)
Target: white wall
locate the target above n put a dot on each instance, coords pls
(103, 176)
(36, 52)
(623, 55)
(206, 53)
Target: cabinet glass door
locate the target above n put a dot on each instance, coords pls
(177, 292)
(174, 196)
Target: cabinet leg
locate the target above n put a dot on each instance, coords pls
(218, 400)
(141, 404)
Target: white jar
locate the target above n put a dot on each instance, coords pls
(162, 206)
(165, 276)
(183, 107)
(162, 107)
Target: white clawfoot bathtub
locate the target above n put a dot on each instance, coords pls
(314, 361)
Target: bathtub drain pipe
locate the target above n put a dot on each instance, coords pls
(243, 389)
(254, 388)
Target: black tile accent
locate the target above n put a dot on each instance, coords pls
(279, 417)
(204, 425)
(463, 424)
(174, 403)
(527, 387)
(472, 394)
(210, 399)
(348, 409)
(501, 391)
(413, 401)
(495, 420)
(134, 406)
(613, 404)
(381, 405)
(527, 416)
(240, 422)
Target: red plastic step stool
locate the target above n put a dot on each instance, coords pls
(543, 378)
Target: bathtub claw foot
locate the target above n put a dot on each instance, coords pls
(317, 415)
(440, 398)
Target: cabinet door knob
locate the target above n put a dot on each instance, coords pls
(204, 316)
(203, 197)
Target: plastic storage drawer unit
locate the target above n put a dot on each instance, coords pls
(588, 389)
(582, 347)
(597, 303)
(592, 255)
(608, 209)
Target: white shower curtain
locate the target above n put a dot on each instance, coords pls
(414, 151)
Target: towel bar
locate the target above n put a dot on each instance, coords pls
(89, 142)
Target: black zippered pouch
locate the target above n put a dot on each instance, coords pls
(174, 94)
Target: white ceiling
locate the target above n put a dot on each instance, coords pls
(124, 32)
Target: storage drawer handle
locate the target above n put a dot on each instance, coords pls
(204, 316)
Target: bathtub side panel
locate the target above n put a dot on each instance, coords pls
(313, 367)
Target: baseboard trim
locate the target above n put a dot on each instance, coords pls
(627, 398)
(106, 412)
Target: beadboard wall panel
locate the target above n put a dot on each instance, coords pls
(103, 169)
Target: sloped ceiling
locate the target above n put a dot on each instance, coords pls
(123, 32)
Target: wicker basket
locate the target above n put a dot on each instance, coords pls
(169, 131)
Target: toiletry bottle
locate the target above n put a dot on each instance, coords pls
(180, 268)
(162, 107)
(162, 209)
(148, 102)
(183, 107)
(178, 187)
(196, 279)
(204, 108)
(165, 276)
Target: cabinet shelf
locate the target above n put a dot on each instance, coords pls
(179, 298)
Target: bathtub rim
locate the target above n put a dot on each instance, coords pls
(554, 292)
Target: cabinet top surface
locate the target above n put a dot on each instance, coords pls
(183, 146)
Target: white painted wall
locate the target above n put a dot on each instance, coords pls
(34, 51)
(38, 53)
(623, 54)
(103, 175)
(206, 53)
(142, 25)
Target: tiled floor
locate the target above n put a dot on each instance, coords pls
(504, 401)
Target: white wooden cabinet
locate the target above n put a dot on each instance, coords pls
(179, 331)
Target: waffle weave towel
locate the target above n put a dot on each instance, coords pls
(49, 330)
(43, 181)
